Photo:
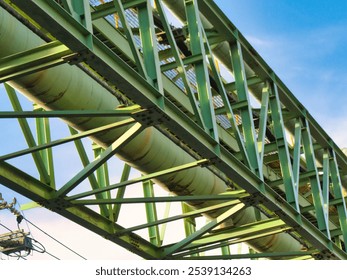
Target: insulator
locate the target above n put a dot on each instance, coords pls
(14, 242)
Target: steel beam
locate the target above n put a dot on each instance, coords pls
(91, 178)
(275, 255)
(200, 67)
(108, 153)
(151, 213)
(179, 62)
(245, 109)
(142, 178)
(321, 211)
(169, 250)
(254, 230)
(40, 58)
(76, 136)
(283, 151)
(38, 191)
(28, 135)
(78, 38)
(192, 213)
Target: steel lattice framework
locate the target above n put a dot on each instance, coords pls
(204, 89)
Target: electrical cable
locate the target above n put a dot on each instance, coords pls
(19, 255)
(38, 249)
(43, 247)
(54, 239)
(23, 218)
(5, 227)
(52, 255)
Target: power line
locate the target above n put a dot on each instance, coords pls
(26, 222)
(52, 255)
(42, 249)
(54, 239)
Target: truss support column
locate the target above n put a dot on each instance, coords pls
(92, 179)
(44, 176)
(227, 106)
(245, 109)
(151, 212)
(225, 250)
(263, 118)
(189, 223)
(80, 11)
(102, 174)
(317, 195)
(201, 68)
(44, 137)
(129, 34)
(121, 191)
(337, 192)
(283, 150)
(149, 46)
(179, 63)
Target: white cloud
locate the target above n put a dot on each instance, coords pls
(336, 128)
(260, 42)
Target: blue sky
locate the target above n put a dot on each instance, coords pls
(304, 42)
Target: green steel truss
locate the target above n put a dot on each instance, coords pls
(249, 130)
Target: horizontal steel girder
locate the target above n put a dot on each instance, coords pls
(37, 191)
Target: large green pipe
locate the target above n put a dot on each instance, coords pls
(67, 87)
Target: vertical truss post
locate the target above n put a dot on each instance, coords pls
(321, 212)
(337, 192)
(129, 35)
(102, 174)
(149, 46)
(166, 215)
(225, 249)
(180, 65)
(80, 11)
(263, 123)
(246, 110)
(67, 5)
(189, 223)
(121, 191)
(223, 94)
(251, 252)
(326, 178)
(297, 154)
(92, 179)
(44, 136)
(283, 151)
(201, 69)
(151, 212)
(28, 135)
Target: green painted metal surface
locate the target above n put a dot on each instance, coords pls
(152, 94)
